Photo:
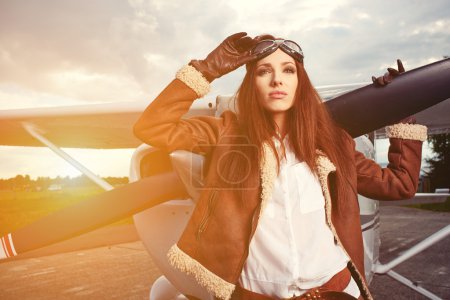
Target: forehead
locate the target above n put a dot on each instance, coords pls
(277, 57)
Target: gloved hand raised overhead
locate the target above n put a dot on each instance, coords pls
(232, 53)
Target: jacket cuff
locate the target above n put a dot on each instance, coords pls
(407, 131)
(214, 284)
(194, 79)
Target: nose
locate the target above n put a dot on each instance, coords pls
(276, 79)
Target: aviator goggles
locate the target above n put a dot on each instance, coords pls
(266, 47)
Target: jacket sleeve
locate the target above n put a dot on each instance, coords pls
(161, 125)
(399, 179)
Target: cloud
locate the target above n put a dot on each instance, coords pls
(79, 49)
(44, 41)
(103, 50)
(415, 32)
(63, 52)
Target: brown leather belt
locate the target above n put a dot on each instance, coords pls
(331, 290)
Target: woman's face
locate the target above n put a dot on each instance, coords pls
(276, 82)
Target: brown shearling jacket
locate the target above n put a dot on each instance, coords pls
(215, 242)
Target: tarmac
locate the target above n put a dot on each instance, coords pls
(100, 268)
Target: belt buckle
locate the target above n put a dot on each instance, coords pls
(312, 294)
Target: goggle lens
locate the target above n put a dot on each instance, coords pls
(268, 46)
(264, 46)
(294, 46)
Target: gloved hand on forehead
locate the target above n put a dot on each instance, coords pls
(232, 53)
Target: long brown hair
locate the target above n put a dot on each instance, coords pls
(310, 127)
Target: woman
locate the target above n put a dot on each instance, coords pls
(285, 225)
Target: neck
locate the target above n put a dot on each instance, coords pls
(280, 121)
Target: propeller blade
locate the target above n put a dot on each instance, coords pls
(94, 212)
(369, 108)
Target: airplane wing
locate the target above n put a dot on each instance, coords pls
(436, 118)
(100, 126)
(328, 92)
(109, 126)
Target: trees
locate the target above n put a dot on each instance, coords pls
(24, 182)
(439, 165)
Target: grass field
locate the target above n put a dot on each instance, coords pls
(19, 208)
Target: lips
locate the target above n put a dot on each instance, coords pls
(277, 94)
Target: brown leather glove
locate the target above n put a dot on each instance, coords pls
(389, 75)
(387, 78)
(232, 53)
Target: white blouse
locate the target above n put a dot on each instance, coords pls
(293, 249)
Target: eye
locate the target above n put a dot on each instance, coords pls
(290, 70)
(263, 71)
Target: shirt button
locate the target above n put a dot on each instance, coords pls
(293, 289)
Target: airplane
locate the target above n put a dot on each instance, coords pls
(161, 213)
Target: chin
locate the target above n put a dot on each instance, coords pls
(279, 109)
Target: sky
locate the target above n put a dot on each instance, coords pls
(61, 52)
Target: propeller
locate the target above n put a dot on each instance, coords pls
(371, 107)
(94, 212)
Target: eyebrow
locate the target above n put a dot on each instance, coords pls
(269, 64)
